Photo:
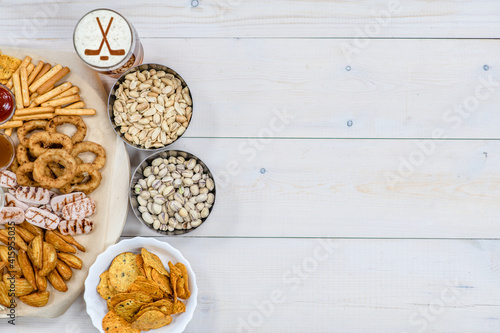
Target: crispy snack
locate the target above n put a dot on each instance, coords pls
(57, 281)
(5, 299)
(52, 81)
(38, 299)
(58, 171)
(162, 281)
(120, 297)
(103, 288)
(8, 65)
(64, 270)
(148, 288)
(70, 240)
(96, 149)
(21, 285)
(11, 124)
(49, 259)
(44, 78)
(86, 187)
(67, 111)
(34, 111)
(26, 267)
(25, 234)
(123, 271)
(113, 323)
(140, 264)
(59, 243)
(23, 155)
(17, 90)
(128, 308)
(37, 231)
(151, 319)
(81, 128)
(17, 239)
(185, 281)
(41, 281)
(35, 251)
(40, 142)
(54, 155)
(151, 259)
(11, 262)
(36, 70)
(70, 259)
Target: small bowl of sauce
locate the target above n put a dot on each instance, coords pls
(7, 151)
(7, 104)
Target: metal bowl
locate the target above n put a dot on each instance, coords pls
(112, 99)
(138, 174)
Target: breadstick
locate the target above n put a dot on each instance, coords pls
(34, 116)
(54, 92)
(77, 105)
(35, 72)
(47, 76)
(43, 71)
(24, 87)
(17, 90)
(31, 111)
(53, 80)
(30, 68)
(62, 101)
(11, 124)
(32, 99)
(71, 91)
(75, 112)
(24, 63)
(8, 131)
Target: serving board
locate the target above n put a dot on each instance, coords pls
(111, 196)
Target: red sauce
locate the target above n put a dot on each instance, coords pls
(6, 104)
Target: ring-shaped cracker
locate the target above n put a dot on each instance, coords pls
(59, 156)
(58, 170)
(87, 187)
(38, 140)
(28, 127)
(81, 128)
(95, 148)
(22, 175)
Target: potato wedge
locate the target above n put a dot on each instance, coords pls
(35, 251)
(26, 268)
(57, 281)
(37, 231)
(18, 240)
(41, 281)
(5, 300)
(21, 285)
(70, 240)
(59, 243)
(64, 270)
(49, 259)
(70, 259)
(38, 299)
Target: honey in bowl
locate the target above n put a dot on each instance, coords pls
(6, 152)
(7, 104)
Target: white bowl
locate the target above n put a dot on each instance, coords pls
(97, 307)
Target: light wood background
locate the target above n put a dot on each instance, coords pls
(373, 206)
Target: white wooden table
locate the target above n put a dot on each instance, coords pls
(356, 150)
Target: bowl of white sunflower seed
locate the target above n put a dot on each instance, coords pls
(150, 107)
(172, 192)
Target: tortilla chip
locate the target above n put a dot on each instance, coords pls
(8, 66)
(151, 319)
(113, 323)
(151, 259)
(149, 288)
(141, 297)
(123, 271)
(162, 281)
(140, 263)
(128, 308)
(104, 288)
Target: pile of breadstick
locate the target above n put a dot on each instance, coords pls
(38, 97)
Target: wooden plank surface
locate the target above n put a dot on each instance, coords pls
(348, 188)
(265, 18)
(324, 285)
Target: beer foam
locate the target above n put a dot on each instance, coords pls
(88, 38)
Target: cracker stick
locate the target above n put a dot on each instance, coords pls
(32, 99)
(30, 68)
(62, 101)
(54, 92)
(75, 112)
(24, 87)
(8, 131)
(71, 91)
(77, 105)
(32, 111)
(47, 76)
(34, 116)
(43, 71)
(11, 124)
(35, 72)
(53, 80)
(17, 90)
(26, 61)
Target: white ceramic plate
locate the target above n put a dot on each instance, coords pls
(97, 307)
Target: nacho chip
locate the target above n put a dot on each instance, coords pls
(123, 271)
(162, 281)
(104, 288)
(151, 259)
(8, 66)
(128, 308)
(113, 323)
(151, 319)
(115, 299)
(147, 271)
(140, 264)
(149, 288)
